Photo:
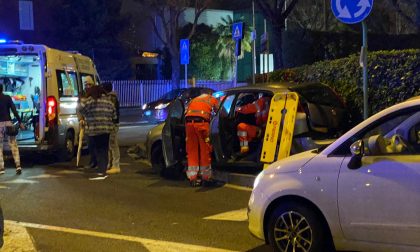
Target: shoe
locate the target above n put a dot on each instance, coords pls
(99, 176)
(244, 149)
(195, 183)
(113, 170)
(1, 172)
(18, 171)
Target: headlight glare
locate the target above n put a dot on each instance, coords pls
(162, 106)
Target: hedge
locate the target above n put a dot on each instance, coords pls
(393, 76)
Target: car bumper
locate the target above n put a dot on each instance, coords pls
(255, 218)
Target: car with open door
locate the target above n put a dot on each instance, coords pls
(321, 115)
(361, 193)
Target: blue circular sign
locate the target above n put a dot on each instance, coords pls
(351, 11)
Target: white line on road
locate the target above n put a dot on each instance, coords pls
(235, 215)
(149, 244)
(242, 188)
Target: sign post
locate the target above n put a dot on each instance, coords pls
(237, 35)
(352, 12)
(184, 49)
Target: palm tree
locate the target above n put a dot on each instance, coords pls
(226, 45)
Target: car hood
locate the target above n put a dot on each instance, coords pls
(153, 104)
(292, 163)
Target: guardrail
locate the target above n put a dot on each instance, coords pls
(135, 93)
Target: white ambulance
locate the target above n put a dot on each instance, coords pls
(45, 85)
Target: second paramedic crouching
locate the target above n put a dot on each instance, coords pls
(198, 147)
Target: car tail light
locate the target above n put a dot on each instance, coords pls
(51, 108)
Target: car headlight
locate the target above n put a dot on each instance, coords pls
(144, 106)
(162, 105)
(258, 179)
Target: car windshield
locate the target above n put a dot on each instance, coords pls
(319, 94)
(172, 94)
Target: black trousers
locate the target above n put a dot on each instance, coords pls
(100, 146)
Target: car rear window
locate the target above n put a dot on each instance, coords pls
(319, 94)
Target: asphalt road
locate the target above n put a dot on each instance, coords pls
(133, 211)
(61, 210)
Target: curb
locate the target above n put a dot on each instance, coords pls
(245, 180)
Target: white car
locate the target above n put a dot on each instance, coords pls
(361, 193)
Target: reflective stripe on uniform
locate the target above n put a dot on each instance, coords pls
(242, 133)
(192, 172)
(198, 111)
(205, 172)
(243, 143)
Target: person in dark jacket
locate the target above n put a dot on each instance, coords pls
(99, 114)
(7, 105)
(114, 149)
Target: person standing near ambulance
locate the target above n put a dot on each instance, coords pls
(198, 147)
(248, 132)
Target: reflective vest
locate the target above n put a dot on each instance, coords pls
(260, 108)
(202, 106)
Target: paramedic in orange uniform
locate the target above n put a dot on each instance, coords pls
(197, 120)
(248, 132)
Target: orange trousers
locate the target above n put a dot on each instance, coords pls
(198, 150)
(246, 133)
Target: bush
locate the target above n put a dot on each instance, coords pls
(393, 76)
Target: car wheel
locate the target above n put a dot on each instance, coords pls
(158, 161)
(295, 227)
(68, 150)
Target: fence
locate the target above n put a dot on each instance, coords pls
(135, 93)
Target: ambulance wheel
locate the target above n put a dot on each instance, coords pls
(158, 161)
(68, 150)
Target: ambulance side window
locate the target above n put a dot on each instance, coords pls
(67, 84)
(83, 76)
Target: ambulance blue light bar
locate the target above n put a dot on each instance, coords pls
(3, 41)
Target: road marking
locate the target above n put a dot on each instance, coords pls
(44, 176)
(21, 181)
(68, 172)
(16, 238)
(236, 215)
(149, 244)
(242, 188)
(4, 187)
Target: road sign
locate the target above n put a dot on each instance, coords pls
(351, 11)
(184, 49)
(264, 42)
(237, 31)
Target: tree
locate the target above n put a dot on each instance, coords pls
(202, 48)
(226, 45)
(276, 14)
(92, 28)
(168, 12)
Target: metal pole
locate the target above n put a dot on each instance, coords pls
(365, 72)
(264, 54)
(254, 63)
(186, 75)
(236, 64)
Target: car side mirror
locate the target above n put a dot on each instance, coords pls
(357, 150)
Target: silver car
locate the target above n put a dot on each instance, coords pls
(321, 115)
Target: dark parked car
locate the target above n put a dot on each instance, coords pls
(158, 110)
(321, 116)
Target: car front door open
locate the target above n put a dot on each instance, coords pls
(173, 134)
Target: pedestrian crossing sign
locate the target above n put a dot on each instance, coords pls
(237, 31)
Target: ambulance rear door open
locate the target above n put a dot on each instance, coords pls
(23, 78)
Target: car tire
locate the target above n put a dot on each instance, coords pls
(68, 150)
(158, 161)
(311, 234)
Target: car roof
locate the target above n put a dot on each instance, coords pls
(272, 86)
